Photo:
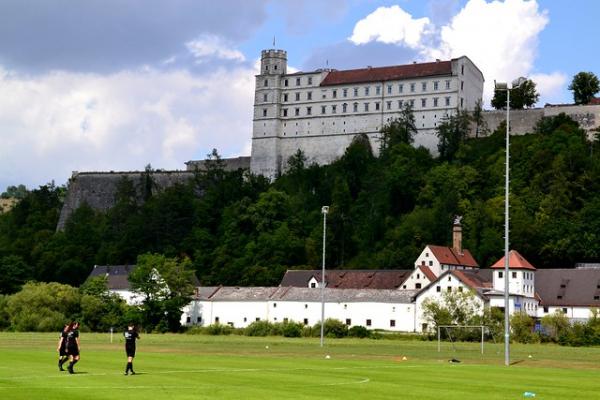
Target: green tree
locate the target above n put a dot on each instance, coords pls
(454, 308)
(399, 130)
(15, 192)
(481, 128)
(452, 132)
(14, 272)
(524, 96)
(555, 325)
(165, 286)
(584, 86)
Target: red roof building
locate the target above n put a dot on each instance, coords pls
(515, 261)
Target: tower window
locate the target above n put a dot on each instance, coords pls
(264, 112)
(266, 83)
(297, 81)
(286, 83)
(310, 80)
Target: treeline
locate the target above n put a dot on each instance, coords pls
(239, 229)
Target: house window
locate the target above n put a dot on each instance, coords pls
(298, 96)
(355, 107)
(377, 90)
(545, 309)
(274, 305)
(500, 274)
(564, 310)
(392, 323)
(417, 286)
(257, 319)
(412, 103)
(430, 263)
(462, 69)
(514, 275)
(216, 320)
(423, 103)
(285, 97)
(266, 83)
(297, 81)
(305, 321)
(423, 86)
(323, 109)
(188, 319)
(355, 91)
(400, 88)
(447, 85)
(310, 80)
(285, 83)
(345, 107)
(305, 306)
(348, 321)
(438, 289)
(245, 319)
(345, 92)
(559, 297)
(596, 297)
(309, 96)
(436, 85)
(198, 320)
(366, 107)
(264, 112)
(334, 94)
(334, 109)
(285, 320)
(462, 102)
(284, 112)
(366, 91)
(449, 279)
(418, 276)
(368, 322)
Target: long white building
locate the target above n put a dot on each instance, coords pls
(320, 112)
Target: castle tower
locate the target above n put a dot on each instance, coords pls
(267, 109)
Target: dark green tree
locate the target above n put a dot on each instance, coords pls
(584, 86)
(399, 130)
(524, 96)
(452, 132)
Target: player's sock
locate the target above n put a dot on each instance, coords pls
(131, 368)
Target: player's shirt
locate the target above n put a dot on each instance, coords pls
(72, 338)
(130, 338)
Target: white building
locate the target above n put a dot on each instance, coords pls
(320, 112)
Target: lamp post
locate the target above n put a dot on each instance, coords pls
(324, 211)
(500, 86)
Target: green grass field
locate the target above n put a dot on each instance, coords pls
(205, 367)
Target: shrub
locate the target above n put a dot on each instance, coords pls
(258, 328)
(522, 328)
(219, 329)
(358, 332)
(292, 329)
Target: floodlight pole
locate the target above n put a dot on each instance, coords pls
(504, 86)
(324, 211)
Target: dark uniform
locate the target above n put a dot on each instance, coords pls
(62, 351)
(72, 348)
(130, 338)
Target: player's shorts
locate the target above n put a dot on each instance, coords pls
(63, 351)
(72, 351)
(130, 350)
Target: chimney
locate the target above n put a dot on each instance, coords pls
(457, 235)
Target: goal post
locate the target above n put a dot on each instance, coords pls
(449, 327)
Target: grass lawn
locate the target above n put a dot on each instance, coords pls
(234, 367)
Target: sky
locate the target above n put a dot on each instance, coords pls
(115, 85)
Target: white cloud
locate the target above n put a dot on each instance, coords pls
(500, 37)
(211, 47)
(60, 122)
(390, 25)
(550, 87)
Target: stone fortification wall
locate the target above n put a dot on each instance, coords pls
(98, 189)
(524, 121)
(230, 164)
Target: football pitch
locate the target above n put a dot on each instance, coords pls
(236, 367)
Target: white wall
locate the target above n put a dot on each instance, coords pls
(428, 259)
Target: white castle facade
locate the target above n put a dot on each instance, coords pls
(320, 112)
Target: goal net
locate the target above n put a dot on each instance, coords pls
(461, 337)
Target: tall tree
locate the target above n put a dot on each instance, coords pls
(478, 120)
(399, 130)
(584, 86)
(452, 132)
(521, 97)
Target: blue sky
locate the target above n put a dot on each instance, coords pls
(103, 85)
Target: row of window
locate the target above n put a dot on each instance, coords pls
(364, 107)
(366, 90)
(526, 275)
(368, 321)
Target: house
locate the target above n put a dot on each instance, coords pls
(117, 280)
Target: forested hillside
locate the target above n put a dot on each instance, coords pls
(243, 230)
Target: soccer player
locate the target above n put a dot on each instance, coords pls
(131, 335)
(73, 345)
(62, 348)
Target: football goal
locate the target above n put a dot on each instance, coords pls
(461, 337)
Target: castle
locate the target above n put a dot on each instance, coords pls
(320, 112)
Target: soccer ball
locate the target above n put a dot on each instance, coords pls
(327, 356)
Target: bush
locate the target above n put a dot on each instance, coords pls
(219, 329)
(258, 328)
(358, 332)
(522, 328)
(292, 329)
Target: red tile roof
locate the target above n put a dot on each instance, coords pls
(428, 272)
(348, 279)
(380, 74)
(449, 256)
(515, 261)
(595, 101)
(480, 279)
